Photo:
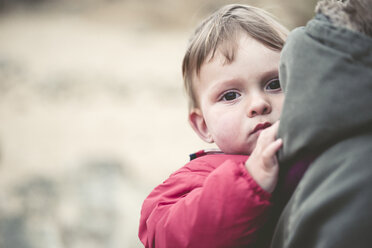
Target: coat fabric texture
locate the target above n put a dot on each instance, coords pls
(326, 73)
(211, 202)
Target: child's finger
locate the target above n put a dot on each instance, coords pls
(271, 132)
(271, 150)
(274, 128)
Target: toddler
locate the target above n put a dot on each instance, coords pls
(222, 199)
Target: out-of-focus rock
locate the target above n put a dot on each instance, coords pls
(88, 207)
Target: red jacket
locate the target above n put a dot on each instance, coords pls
(210, 202)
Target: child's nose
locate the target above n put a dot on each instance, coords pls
(259, 106)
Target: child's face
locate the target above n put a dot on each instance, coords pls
(238, 99)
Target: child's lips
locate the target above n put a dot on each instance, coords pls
(261, 126)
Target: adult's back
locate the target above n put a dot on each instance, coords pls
(326, 72)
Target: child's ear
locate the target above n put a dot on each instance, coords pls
(197, 122)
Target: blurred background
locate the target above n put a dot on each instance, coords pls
(92, 113)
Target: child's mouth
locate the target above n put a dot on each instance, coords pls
(261, 126)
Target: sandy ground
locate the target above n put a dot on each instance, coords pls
(76, 88)
(82, 86)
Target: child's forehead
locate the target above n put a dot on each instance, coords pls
(225, 52)
(247, 55)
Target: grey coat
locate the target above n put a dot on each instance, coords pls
(326, 73)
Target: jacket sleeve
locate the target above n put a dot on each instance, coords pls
(223, 207)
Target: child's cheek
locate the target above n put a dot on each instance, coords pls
(226, 131)
(278, 103)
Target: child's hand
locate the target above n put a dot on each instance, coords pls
(263, 164)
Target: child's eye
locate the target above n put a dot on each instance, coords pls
(229, 96)
(273, 85)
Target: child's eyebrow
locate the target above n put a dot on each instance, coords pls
(270, 74)
(226, 83)
(223, 85)
(236, 82)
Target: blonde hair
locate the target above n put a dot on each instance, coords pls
(221, 30)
